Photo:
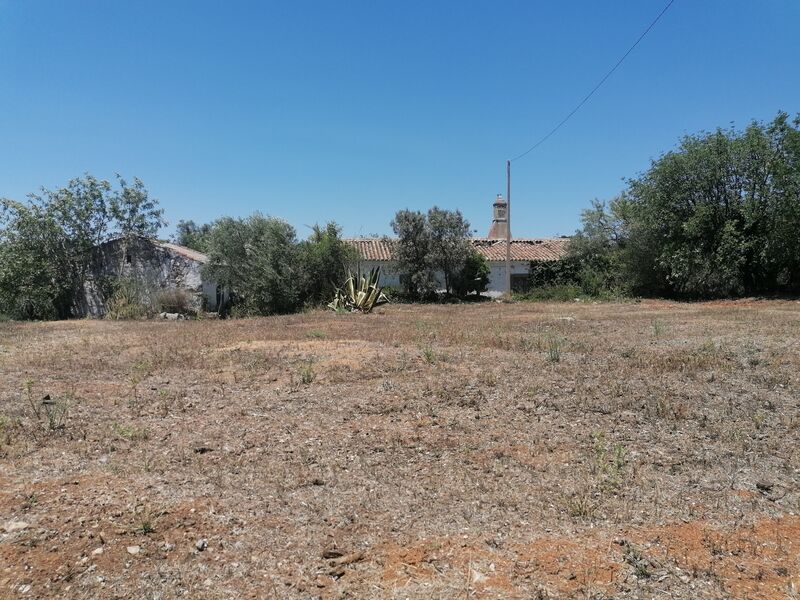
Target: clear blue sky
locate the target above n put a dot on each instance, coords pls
(348, 111)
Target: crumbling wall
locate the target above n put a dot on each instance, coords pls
(153, 268)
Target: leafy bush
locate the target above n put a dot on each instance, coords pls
(324, 260)
(36, 275)
(427, 243)
(716, 217)
(450, 248)
(413, 254)
(265, 269)
(568, 278)
(544, 273)
(257, 260)
(174, 300)
(473, 276)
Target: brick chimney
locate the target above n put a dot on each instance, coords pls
(499, 228)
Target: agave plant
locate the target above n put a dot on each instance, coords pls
(360, 293)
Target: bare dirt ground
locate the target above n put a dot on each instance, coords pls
(480, 451)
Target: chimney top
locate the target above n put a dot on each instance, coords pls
(499, 227)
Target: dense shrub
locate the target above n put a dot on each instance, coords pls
(716, 217)
(174, 300)
(267, 271)
(324, 263)
(473, 278)
(553, 272)
(412, 251)
(436, 242)
(257, 260)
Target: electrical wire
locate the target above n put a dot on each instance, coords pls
(597, 87)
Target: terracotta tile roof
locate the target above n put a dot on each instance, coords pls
(522, 249)
(526, 249)
(184, 251)
(373, 248)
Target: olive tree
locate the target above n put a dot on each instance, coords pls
(256, 259)
(435, 242)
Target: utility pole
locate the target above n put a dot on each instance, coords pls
(508, 227)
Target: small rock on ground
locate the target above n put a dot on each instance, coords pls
(13, 526)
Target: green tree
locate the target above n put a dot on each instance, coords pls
(80, 210)
(594, 253)
(134, 212)
(427, 244)
(450, 248)
(192, 235)
(473, 276)
(324, 261)
(257, 260)
(36, 275)
(413, 253)
(46, 244)
(718, 213)
(716, 217)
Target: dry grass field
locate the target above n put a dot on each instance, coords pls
(630, 450)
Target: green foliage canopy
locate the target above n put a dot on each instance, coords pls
(717, 217)
(450, 247)
(325, 259)
(412, 251)
(267, 271)
(46, 243)
(436, 242)
(473, 278)
(192, 235)
(256, 259)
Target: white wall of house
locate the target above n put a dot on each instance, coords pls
(389, 275)
(497, 274)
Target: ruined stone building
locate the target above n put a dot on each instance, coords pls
(153, 267)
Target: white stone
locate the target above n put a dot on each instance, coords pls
(13, 526)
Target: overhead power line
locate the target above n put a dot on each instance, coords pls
(597, 87)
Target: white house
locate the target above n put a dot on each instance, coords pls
(377, 252)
